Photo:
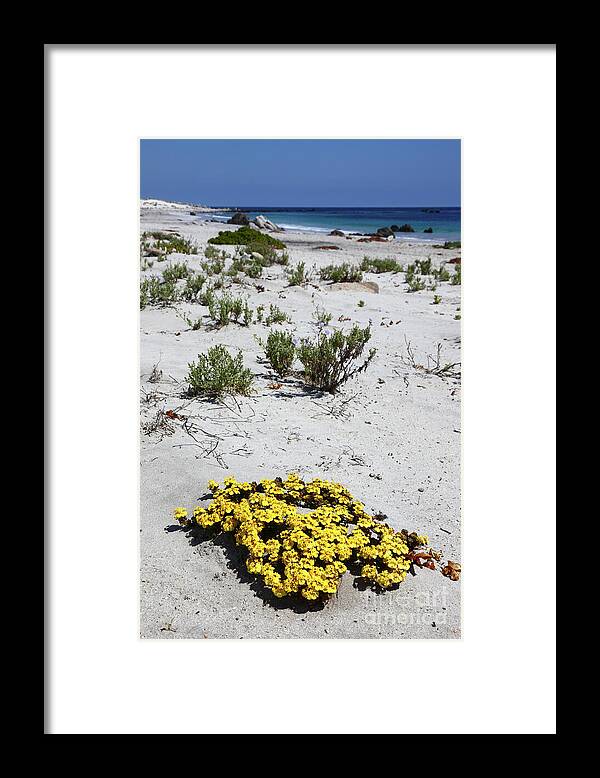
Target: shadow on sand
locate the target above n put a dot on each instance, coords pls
(236, 561)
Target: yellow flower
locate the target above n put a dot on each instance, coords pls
(305, 553)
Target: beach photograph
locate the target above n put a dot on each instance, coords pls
(300, 388)
(285, 444)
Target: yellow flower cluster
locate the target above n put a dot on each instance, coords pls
(305, 553)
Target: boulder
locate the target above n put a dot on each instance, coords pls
(355, 286)
(265, 224)
(428, 229)
(339, 233)
(239, 218)
(256, 255)
(405, 228)
(385, 232)
(454, 261)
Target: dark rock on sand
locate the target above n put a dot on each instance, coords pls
(239, 218)
(339, 233)
(385, 232)
(328, 247)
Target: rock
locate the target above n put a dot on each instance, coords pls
(454, 261)
(405, 228)
(192, 213)
(239, 218)
(256, 255)
(339, 233)
(395, 228)
(385, 232)
(328, 247)
(265, 224)
(428, 229)
(355, 286)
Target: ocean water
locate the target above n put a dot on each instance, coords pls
(445, 224)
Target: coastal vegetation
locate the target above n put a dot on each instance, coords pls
(280, 351)
(331, 360)
(227, 309)
(298, 275)
(217, 374)
(304, 554)
(388, 265)
(246, 236)
(340, 273)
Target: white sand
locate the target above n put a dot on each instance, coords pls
(397, 448)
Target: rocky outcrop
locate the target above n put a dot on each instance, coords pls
(239, 218)
(404, 228)
(265, 224)
(428, 229)
(339, 233)
(385, 232)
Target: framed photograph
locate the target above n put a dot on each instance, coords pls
(295, 426)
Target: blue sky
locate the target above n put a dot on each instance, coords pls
(318, 173)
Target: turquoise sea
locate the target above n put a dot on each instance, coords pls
(445, 222)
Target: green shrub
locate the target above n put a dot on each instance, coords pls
(441, 273)
(361, 303)
(298, 276)
(415, 283)
(210, 252)
(173, 243)
(388, 265)
(193, 287)
(280, 351)
(436, 299)
(153, 291)
(276, 316)
(339, 273)
(246, 236)
(214, 267)
(226, 309)
(331, 360)
(176, 271)
(321, 316)
(451, 244)
(424, 266)
(456, 278)
(217, 374)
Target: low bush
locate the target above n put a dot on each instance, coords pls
(176, 271)
(339, 273)
(456, 278)
(226, 309)
(276, 316)
(388, 265)
(153, 291)
(451, 244)
(217, 374)
(331, 360)
(246, 236)
(193, 287)
(298, 275)
(321, 317)
(280, 351)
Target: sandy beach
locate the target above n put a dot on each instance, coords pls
(392, 435)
